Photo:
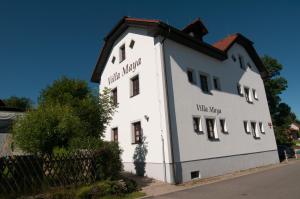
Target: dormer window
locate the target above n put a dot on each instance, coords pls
(233, 58)
(122, 53)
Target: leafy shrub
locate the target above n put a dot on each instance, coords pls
(108, 162)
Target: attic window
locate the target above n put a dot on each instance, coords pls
(131, 44)
(122, 53)
(233, 58)
(113, 59)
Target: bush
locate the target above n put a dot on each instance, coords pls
(104, 188)
(108, 162)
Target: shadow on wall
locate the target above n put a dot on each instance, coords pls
(139, 157)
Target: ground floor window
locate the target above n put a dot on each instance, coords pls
(115, 137)
(254, 130)
(137, 132)
(194, 174)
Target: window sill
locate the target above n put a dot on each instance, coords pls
(199, 132)
(121, 61)
(134, 95)
(214, 139)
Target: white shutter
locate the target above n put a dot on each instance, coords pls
(225, 126)
(255, 94)
(200, 125)
(262, 127)
(248, 127)
(256, 131)
(215, 130)
(241, 90)
(250, 96)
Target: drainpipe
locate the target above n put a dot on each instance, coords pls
(168, 106)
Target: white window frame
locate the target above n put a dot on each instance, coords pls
(255, 94)
(194, 79)
(240, 89)
(249, 99)
(133, 133)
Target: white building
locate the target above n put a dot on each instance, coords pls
(202, 108)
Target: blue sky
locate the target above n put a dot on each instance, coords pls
(43, 40)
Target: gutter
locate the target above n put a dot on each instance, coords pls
(168, 106)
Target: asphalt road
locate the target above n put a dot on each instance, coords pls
(277, 183)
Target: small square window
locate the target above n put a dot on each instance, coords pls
(190, 75)
(132, 42)
(135, 86)
(194, 174)
(113, 59)
(217, 83)
(204, 83)
(122, 53)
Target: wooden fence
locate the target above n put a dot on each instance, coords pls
(29, 173)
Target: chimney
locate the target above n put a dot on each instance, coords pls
(196, 29)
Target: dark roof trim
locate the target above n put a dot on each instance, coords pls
(4, 108)
(226, 43)
(156, 28)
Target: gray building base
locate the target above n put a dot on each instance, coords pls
(206, 167)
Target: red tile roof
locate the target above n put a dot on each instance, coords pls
(225, 44)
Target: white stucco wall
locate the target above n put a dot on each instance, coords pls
(150, 102)
(234, 108)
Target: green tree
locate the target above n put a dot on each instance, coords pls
(69, 116)
(22, 103)
(281, 113)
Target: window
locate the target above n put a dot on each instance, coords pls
(122, 53)
(197, 123)
(233, 58)
(240, 90)
(261, 127)
(194, 174)
(254, 94)
(135, 86)
(132, 42)
(211, 129)
(115, 96)
(204, 83)
(254, 130)
(190, 75)
(248, 95)
(217, 83)
(246, 127)
(115, 134)
(223, 126)
(113, 59)
(137, 133)
(241, 61)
